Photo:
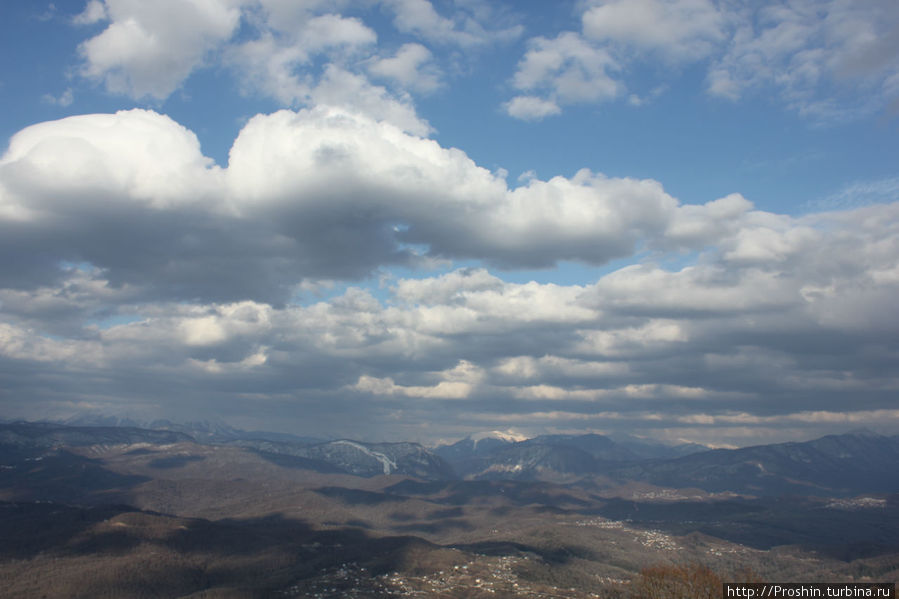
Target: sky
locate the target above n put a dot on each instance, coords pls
(424, 219)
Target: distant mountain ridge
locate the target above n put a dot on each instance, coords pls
(557, 454)
(208, 431)
(47, 435)
(834, 465)
(358, 458)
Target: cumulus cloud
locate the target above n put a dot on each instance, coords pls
(411, 66)
(144, 52)
(568, 68)
(319, 193)
(274, 63)
(339, 87)
(454, 383)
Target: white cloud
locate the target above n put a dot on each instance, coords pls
(695, 226)
(64, 99)
(454, 383)
(409, 180)
(329, 31)
(524, 368)
(419, 16)
(134, 156)
(339, 87)
(446, 289)
(465, 28)
(94, 12)
(279, 64)
(275, 63)
(269, 67)
(225, 322)
(144, 52)
(677, 29)
(287, 16)
(694, 290)
(412, 67)
(531, 108)
(829, 59)
(569, 68)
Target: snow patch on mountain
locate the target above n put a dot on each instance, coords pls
(508, 435)
(386, 462)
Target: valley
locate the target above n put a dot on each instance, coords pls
(124, 511)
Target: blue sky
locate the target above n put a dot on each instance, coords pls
(423, 219)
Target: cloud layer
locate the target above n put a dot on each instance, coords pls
(138, 275)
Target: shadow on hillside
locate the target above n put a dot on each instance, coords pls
(359, 496)
(176, 461)
(453, 512)
(844, 534)
(460, 493)
(553, 555)
(129, 550)
(27, 529)
(440, 526)
(63, 477)
(291, 461)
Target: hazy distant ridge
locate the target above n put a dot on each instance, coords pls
(834, 465)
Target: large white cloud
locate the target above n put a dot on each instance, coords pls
(136, 156)
(319, 193)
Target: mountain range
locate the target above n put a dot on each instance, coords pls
(203, 509)
(834, 465)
